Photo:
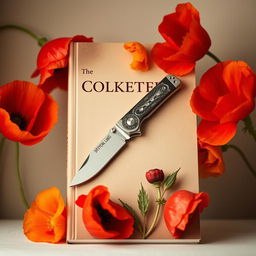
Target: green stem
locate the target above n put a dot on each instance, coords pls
(41, 40)
(249, 126)
(22, 193)
(213, 56)
(144, 227)
(158, 208)
(242, 155)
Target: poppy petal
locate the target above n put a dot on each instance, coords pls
(191, 46)
(201, 106)
(45, 221)
(171, 62)
(210, 160)
(58, 80)
(231, 108)
(104, 218)
(53, 57)
(214, 133)
(50, 201)
(179, 208)
(175, 25)
(38, 227)
(26, 97)
(236, 75)
(80, 201)
(35, 112)
(186, 41)
(140, 56)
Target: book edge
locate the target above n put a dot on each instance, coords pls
(70, 141)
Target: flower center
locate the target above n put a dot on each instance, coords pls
(19, 120)
(105, 217)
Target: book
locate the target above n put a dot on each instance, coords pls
(102, 88)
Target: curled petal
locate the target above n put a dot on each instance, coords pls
(104, 218)
(140, 56)
(170, 61)
(225, 95)
(45, 221)
(186, 41)
(50, 201)
(210, 160)
(180, 207)
(52, 58)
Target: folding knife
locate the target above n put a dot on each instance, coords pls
(125, 129)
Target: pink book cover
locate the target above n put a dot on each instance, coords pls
(102, 89)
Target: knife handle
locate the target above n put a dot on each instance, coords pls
(130, 123)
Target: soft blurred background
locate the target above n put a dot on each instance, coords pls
(231, 26)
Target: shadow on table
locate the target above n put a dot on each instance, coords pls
(226, 230)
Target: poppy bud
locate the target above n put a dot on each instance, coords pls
(155, 176)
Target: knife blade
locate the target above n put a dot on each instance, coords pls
(126, 128)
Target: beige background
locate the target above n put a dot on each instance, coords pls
(231, 25)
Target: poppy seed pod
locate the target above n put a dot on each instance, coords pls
(155, 176)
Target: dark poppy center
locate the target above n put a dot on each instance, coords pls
(19, 120)
(105, 216)
(57, 70)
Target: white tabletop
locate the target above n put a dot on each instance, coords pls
(220, 237)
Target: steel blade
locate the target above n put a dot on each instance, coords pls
(100, 156)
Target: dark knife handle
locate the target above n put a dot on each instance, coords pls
(131, 121)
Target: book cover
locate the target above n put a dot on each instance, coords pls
(102, 88)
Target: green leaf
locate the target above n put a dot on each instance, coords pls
(143, 201)
(170, 180)
(137, 222)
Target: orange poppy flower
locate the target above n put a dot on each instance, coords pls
(27, 113)
(180, 208)
(186, 41)
(210, 160)
(102, 217)
(45, 221)
(140, 56)
(224, 96)
(52, 62)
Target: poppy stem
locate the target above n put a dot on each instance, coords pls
(22, 193)
(40, 40)
(213, 56)
(158, 208)
(249, 127)
(144, 227)
(241, 153)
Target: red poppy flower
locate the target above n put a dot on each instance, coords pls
(180, 208)
(45, 221)
(104, 218)
(52, 62)
(224, 96)
(210, 160)
(186, 41)
(27, 113)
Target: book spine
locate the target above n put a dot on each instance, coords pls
(72, 77)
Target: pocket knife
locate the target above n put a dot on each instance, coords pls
(126, 128)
